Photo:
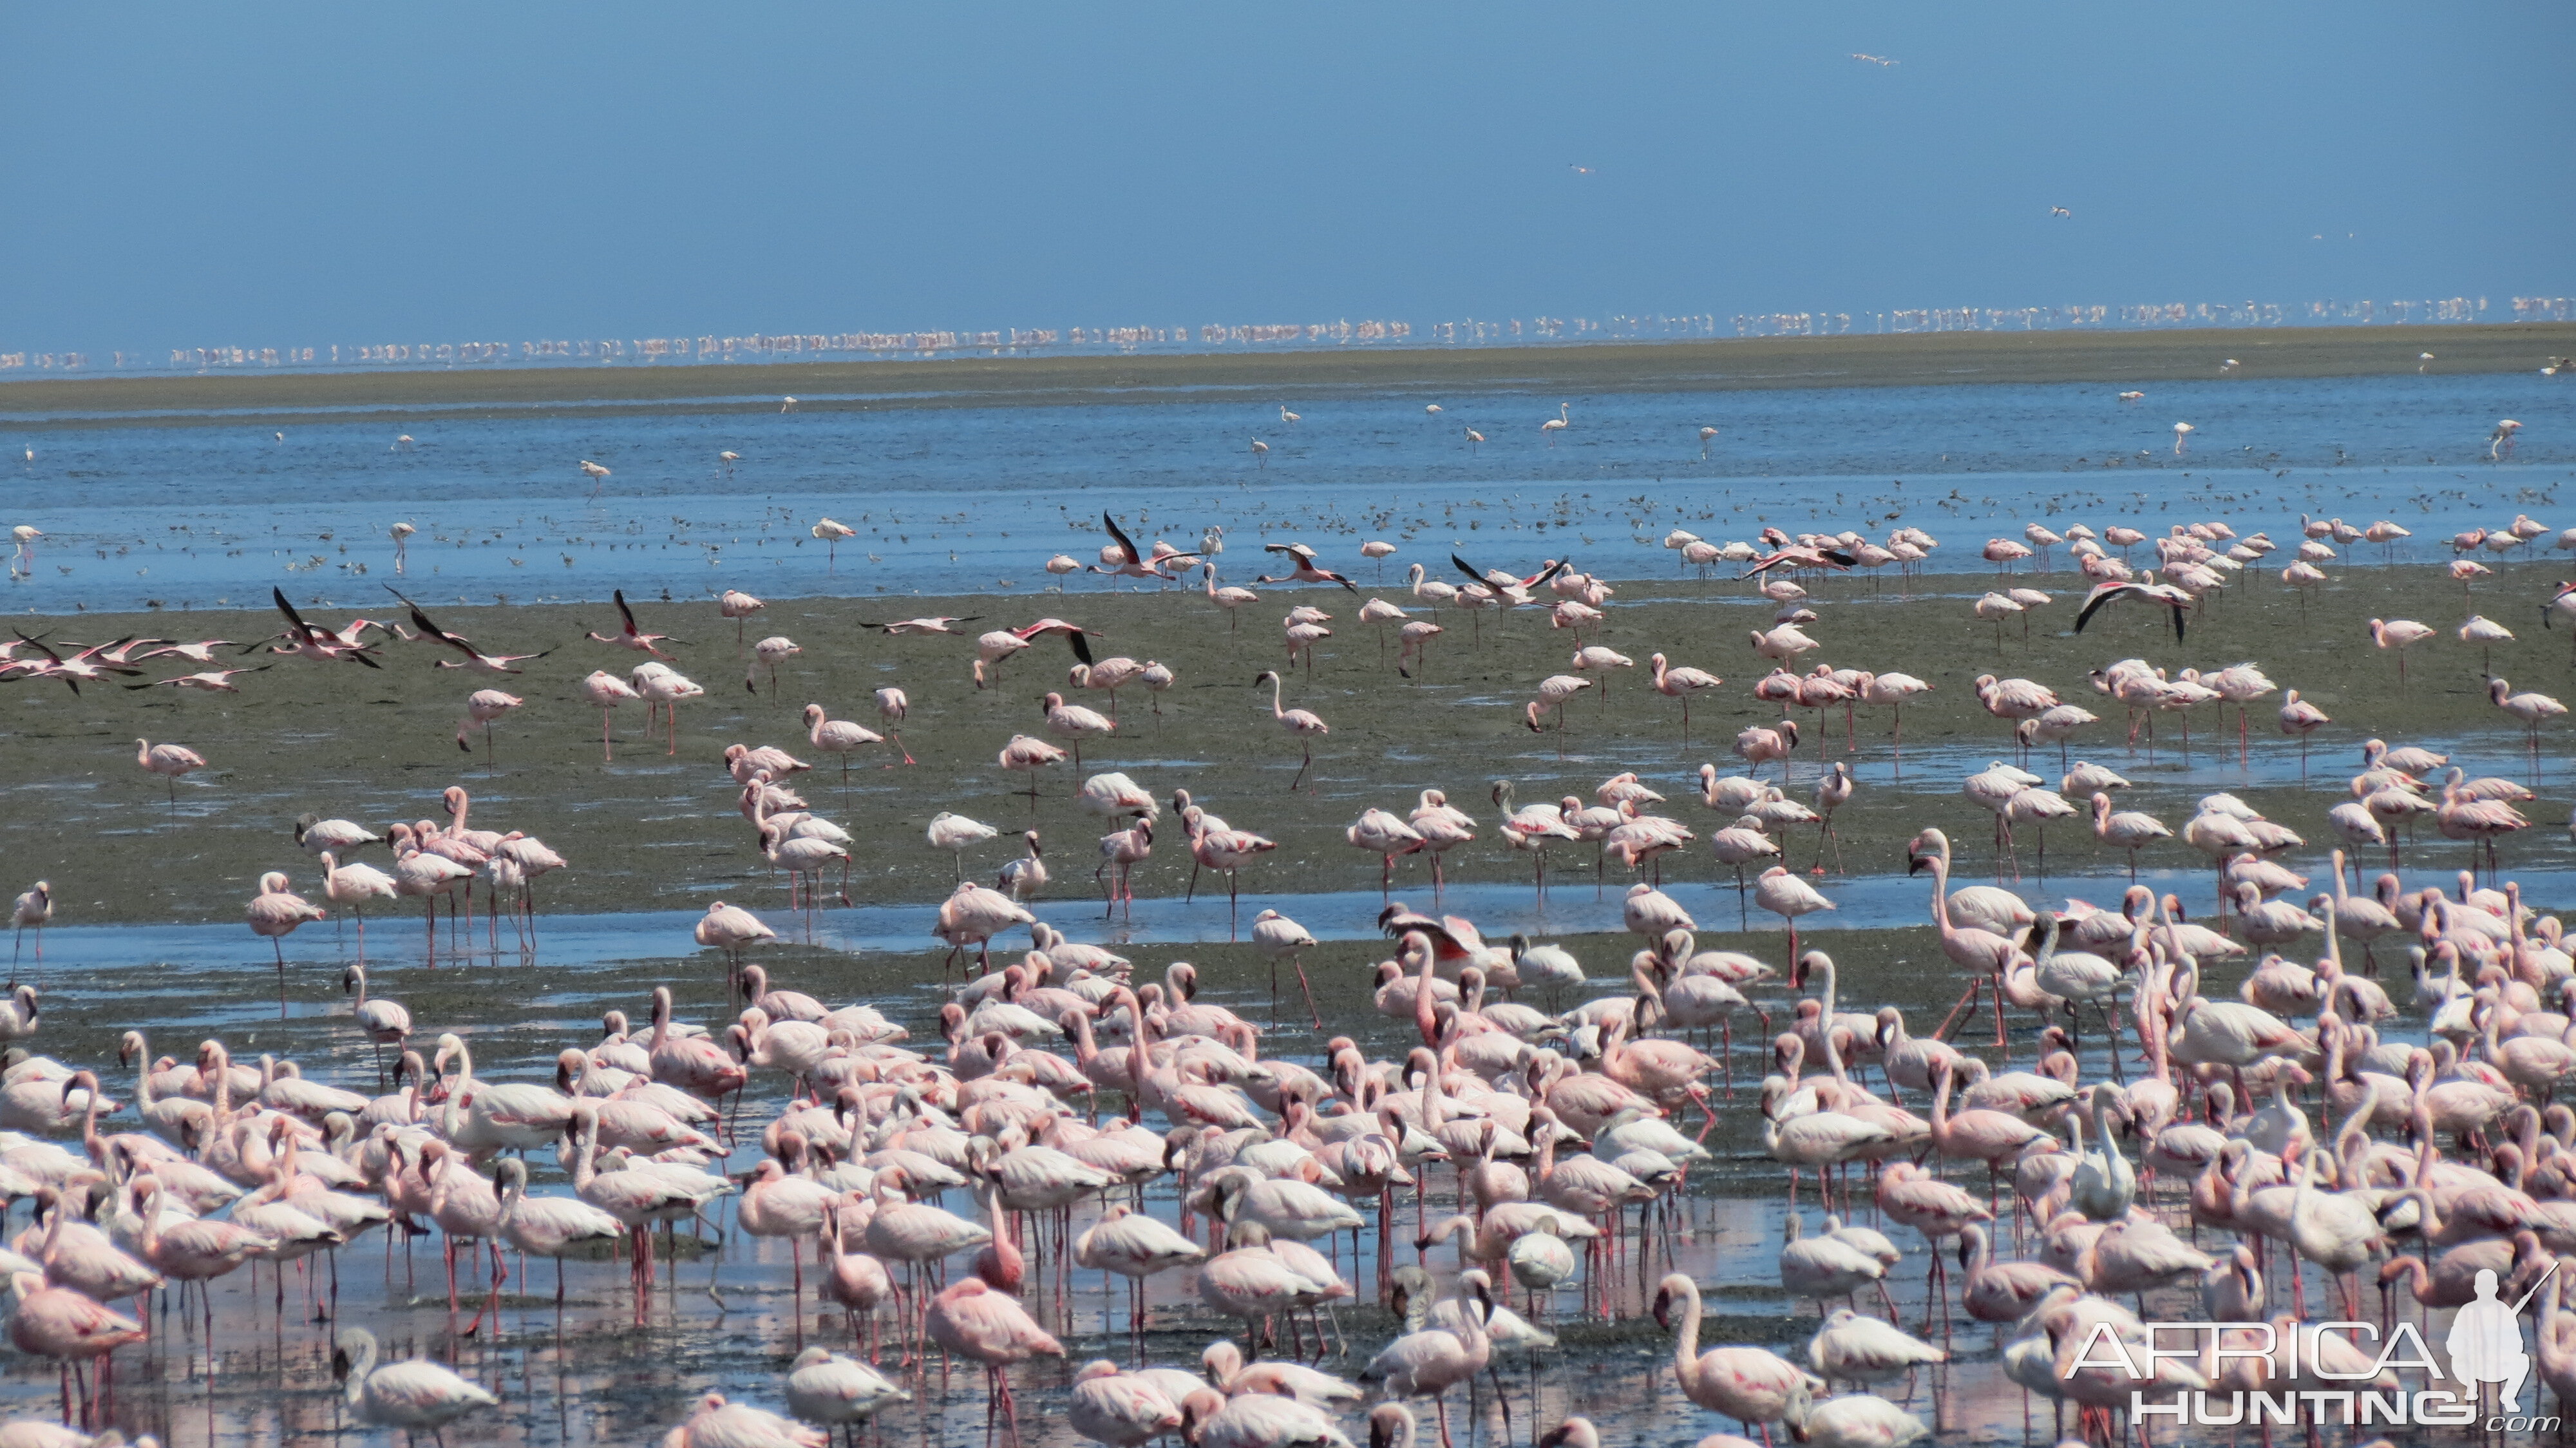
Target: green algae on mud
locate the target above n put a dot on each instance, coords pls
(1899, 359)
(656, 830)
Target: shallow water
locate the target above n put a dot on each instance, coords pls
(219, 512)
(973, 499)
(597, 1378)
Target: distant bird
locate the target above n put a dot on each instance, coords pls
(1261, 452)
(2182, 432)
(1558, 423)
(1431, 409)
(787, 404)
(2061, 211)
(595, 473)
(728, 458)
(1473, 437)
(2131, 396)
(2500, 441)
(1286, 416)
(831, 533)
(2423, 360)
(1707, 435)
(401, 534)
(1872, 59)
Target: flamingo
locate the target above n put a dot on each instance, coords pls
(1075, 723)
(1788, 897)
(630, 635)
(31, 911)
(1306, 725)
(412, 1395)
(1988, 956)
(273, 914)
(1749, 1384)
(170, 761)
(1681, 683)
(1551, 428)
(974, 1321)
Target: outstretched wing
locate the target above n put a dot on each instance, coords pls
(1558, 567)
(1470, 570)
(2177, 613)
(623, 611)
(295, 623)
(1126, 544)
(1289, 548)
(1081, 644)
(421, 621)
(2101, 599)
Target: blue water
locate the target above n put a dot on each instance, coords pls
(973, 499)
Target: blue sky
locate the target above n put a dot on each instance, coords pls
(191, 175)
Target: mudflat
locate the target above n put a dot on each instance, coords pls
(1852, 360)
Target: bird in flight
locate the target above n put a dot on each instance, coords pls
(2061, 211)
(1583, 170)
(1872, 59)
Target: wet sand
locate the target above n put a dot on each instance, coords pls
(661, 831)
(1916, 359)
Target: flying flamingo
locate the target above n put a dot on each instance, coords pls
(629, 635)
(475, 659)
(1306, 725)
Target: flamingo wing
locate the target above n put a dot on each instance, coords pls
(1126, 545)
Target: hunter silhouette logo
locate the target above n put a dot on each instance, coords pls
(2486, 1340)
(2320, 1374)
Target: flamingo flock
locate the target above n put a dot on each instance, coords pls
(2124, 1133)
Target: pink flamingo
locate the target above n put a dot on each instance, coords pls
(1986, 955)
(606, 691)
(1304, 724)
(275, 913)
(974, 1321)
(169, 761)
(61, 1324)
